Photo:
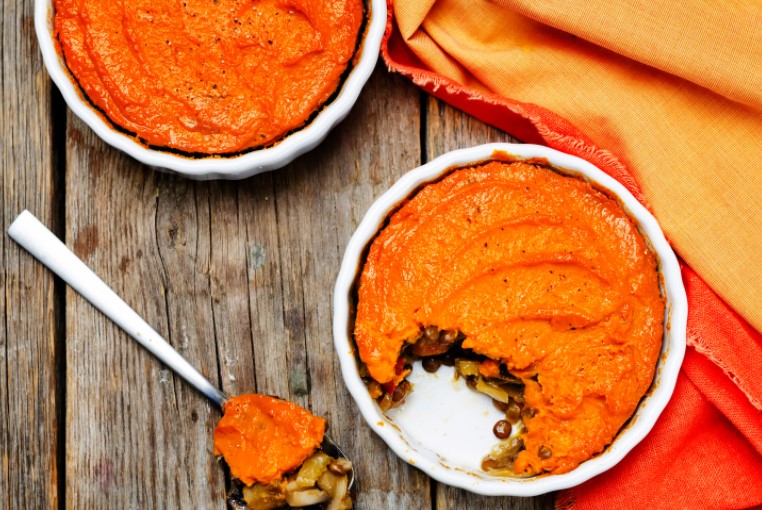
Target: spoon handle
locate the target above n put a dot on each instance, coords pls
(32, 235)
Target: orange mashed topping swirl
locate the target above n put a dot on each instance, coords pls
(540, 271)
(262, 438)
(208, 76)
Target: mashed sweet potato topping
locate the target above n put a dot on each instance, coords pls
(208, 76)
(539, 271)
(262, 438)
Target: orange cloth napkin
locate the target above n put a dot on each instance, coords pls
(667, 98)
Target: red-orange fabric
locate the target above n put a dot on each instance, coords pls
(706, 449)
(695, 457)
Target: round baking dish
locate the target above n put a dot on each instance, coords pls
(440, 454)
(219, 167)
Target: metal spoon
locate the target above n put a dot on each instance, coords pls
(33, 236)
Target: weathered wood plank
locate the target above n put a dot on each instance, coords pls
(232, 260)
(183, 233)
(28, 383)
(137, 436)
(317, 203)
(449, 498)
(370, 156)
(449, 129)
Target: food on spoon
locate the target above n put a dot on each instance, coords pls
(537, 287)
(210, 77)
(272, 447)
(262, 437)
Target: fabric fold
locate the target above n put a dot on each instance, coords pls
(694, 457)
(710, 41)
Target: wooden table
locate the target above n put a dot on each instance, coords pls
(238, 276)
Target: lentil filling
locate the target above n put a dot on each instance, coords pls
(539, 280)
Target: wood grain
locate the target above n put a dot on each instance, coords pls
(293, 226)
(449, 129)
(28, 335)
(137, 436)
(299, 221)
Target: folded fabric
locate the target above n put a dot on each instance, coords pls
(665, 98)
(706, 449)
(694, 458)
